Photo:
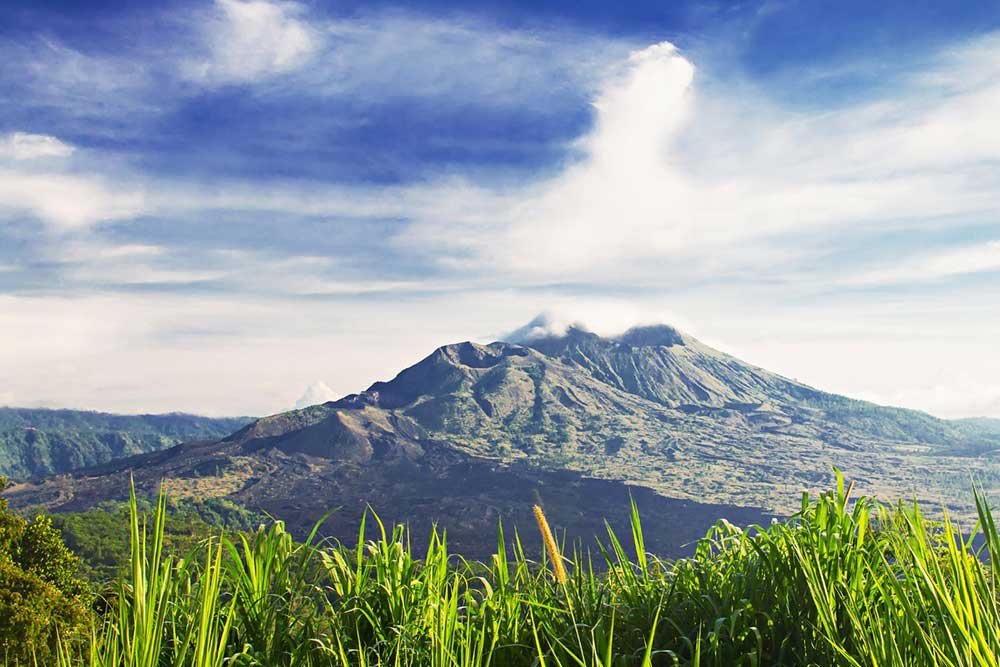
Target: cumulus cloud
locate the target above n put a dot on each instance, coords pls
(24, 146)
(247, 40)
(316, 393)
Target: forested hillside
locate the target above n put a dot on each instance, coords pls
(35, 442)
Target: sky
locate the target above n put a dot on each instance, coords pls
(232, 207)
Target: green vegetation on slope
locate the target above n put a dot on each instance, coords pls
(96, 535)
(841, 583)
(37, 442)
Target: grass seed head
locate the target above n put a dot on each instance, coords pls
(550, 545)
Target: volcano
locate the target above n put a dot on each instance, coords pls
(475, 434)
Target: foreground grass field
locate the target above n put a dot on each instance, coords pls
(844, 582)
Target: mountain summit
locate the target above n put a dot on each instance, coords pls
(472, 432)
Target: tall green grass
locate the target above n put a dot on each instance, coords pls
(843, 582)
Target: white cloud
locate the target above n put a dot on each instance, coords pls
(946, 394)
(136, 274)
(247, 40)
(682, 182)
(542, 326)
(24, 146)
(676, 174)
(601, 316)
(939, 265)
(80, 251)
(66, 201)
(87, 261)
(680, 179)
(316, 393)
(64, 194)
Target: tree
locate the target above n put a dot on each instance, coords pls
(42, 595)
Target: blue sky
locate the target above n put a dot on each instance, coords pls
(210, 206)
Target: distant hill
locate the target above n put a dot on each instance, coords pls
(981, 426)
(35, 442)
(576, 421)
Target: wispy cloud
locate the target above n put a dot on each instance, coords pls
(290, 49)
(46, 74)
(935, 266)
(469, 62)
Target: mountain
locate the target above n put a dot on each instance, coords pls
(473, 433)
(35, 442)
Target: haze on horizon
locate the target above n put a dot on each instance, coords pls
(211, 206)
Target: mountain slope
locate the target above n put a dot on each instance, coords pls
(35, 442)
(473, 431)
(653, 407)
